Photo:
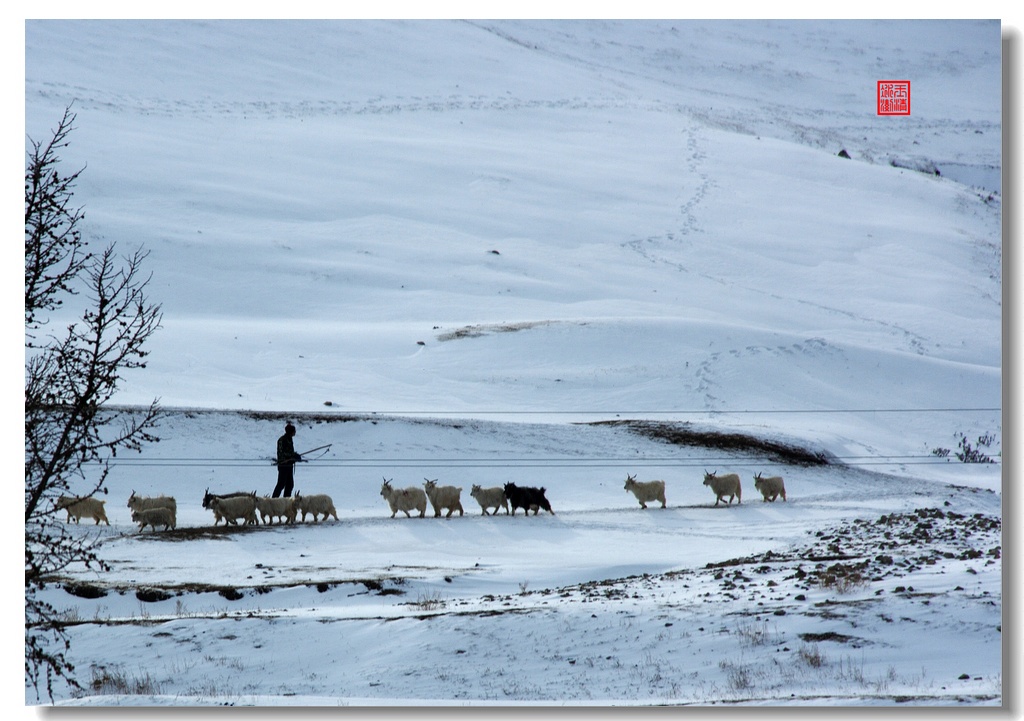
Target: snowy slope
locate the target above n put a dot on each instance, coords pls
(343, 189)
(470, 238)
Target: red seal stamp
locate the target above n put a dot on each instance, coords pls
(894, 97)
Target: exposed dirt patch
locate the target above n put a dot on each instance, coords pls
(476, 331)
(193, 533)
(828, 636)
(85, 590)
(152, 594)
(296, 416)
(685, 435)
(303, 417)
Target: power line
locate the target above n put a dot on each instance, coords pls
(542, 462)
(682, 411)
(468, 413)
(495, 459)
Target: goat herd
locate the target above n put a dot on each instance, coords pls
(248, 508)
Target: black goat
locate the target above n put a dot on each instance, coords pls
(526, 498)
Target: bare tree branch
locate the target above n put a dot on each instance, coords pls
(69, 377)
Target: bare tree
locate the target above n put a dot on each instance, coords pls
(70, 374)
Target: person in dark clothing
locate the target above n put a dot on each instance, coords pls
(286, 460)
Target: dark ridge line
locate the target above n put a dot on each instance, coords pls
(685, 435)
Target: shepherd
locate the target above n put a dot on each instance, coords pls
(286, 460)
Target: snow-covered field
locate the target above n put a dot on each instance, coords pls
(541, 252)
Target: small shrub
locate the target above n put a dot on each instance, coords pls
(812, 656)
(742, 676)
(107, 682)
(842, 579)
(969, 453)
(68, 617)
(429, 601)
(847, 584)
(756, 634)
(739, 678)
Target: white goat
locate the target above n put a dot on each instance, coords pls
(646, 490)
(443, 497)
(233, 508)
(271, 508)
(154, 517)
(319, 503)
(728, 485)
(208, 501)
(78, 507)
(488, 497)
(771, 487)
(404, 499)
(142, 503)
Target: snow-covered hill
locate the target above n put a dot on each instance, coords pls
(463, 249)
(659, 207)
